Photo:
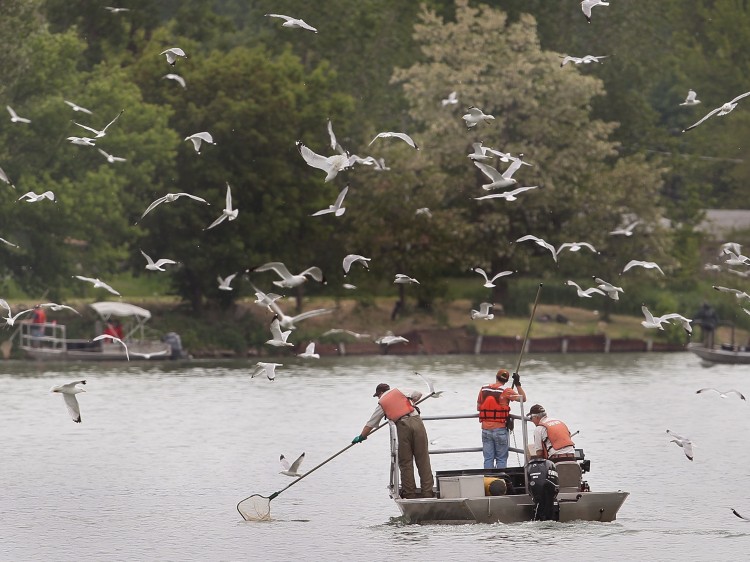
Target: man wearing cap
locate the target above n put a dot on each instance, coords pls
(412, 438)
(493, 405)
(551, 436)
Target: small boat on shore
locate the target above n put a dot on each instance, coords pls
(49, 342)
(465, 496)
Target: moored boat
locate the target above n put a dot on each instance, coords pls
(724, 353)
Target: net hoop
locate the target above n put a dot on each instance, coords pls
(255, 508)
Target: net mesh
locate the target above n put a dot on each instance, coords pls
(255, 508)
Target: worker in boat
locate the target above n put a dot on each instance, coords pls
(551, 437)
(493, 405)
(707, 319)
(38, 319)
(110, 330)
(400, 408)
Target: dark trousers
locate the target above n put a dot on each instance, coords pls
(413, 447)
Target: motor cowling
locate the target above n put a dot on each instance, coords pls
(544, 487)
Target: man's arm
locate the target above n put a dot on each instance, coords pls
(538, 444)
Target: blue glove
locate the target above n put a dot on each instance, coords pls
(358, 439)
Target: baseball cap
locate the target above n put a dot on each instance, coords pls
(382, 387)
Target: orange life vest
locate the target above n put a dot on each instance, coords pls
(395, 404)
(558, 435)
(492, 407)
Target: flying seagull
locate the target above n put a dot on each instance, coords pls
(32, 197)
(176, 77)
(76, 107)
(736, 292)
(723, 110)
(489, 283)
(624, 231)
(99, 134)
(586, 6)
(336, 208)
(287, 279)
(4, 241)
(722, 394)
(683, 442)
(452, 99)
(58, 307)
(82, 141)
(170, 198)
(278, 338)
(352, 259)
(484, 312)
(114, 340)
(227, 213)
(268, 368)
(156, 266)
(575, 247)
(331, 165)
(402, 279)
(309, 352)
(110, 158)
(14, 118)
(652, 321)
(198, 138)
(287, 322)
(98, 284)
(293, 22)
(293, 469)
(172, 54)
(500, 180)
(264, 299)
(507, 195)
(691, 99)
(587, 293)
(611, 290)
(403, 136)
(10, 320)
(390, 339)
(4, 177)
(588, 59)
(645, 264)
(349, 332)
(540, 242)
(116, 10)
(475, 115)
(224, 283)
(69, 392)
(430, 386)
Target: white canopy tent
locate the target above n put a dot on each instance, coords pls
(140, 316)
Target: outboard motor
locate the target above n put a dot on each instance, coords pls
(544, 486)
(175, 342)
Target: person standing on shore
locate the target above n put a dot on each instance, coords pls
(493, 405)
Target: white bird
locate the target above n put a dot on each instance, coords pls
(32, 197)
(500, 180)
(424, 211)
(336, 208)
(351, 287)
(735, 258)
(340, 149)
(224, 284)
(53, 306)
(644, 264)
(489, 283)
(228, 213)
(14, 118)
(736, 292)
(711, 267)
(198, 138)
(172, 54)
(82, 141)
(612, 291)
(331, 165)
(403, 136)
(287, 279)
(587, 293)
(349, 332)
(69, 392)
(581, 60)
(110, 158)
(723, 110)
(691, 99)
(684, 442)
(390, 339)
(402, 279)
(293, 469)
(116, 10)
(540, 242)
(293, 22)
(156, 266)
(11, 318)
(452, 99)
(150, 355)
(475, 115)
(278, 338)
(99, 134)
(4, 177)
(177, 78)
(170, 198)
(507, 195)
(586, 6)
(114, 340)
(269, 369)
(309, 352)
(288, 322)
(4, 241)
(722, 394)
(484, 312)
(625, 231)
(575, 247)
(652, 321)
(479, 153)
(98, 284)
(354, 258)
(265, 299)
(76, 107)
(430, 387)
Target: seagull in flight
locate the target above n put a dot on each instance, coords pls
(403, 136)
(691, 99)
(53, 306)
(287, 279)
(586, 6)
(581, 60)
(111, 159)
(489, 283)
(723, 110)
(99, 134)
(645, 264)
(736, 292)
(722, 394)
(170, 198)
(587, 293)
(98, 284)
(349, 332)
(224, 283)
(69, 392)
(82, 141)
(32, 197)
(116, 10)
(652, 321)
(176, 77)
(480, 152)
(288, 322)
(611, 290)
(331, 165)
(402, 279)
(198, 138)
(424, 211)
(500, 180)
(390, 339)
(156, 266)
(336, 208)
(309, 352)
(475, 115)
(278, 338)
(293, 22)
(4, 241)
(76, 107)
(352, 259)
(484, 312)
(684, 442)
(114, 339)
(227, 213)
(265, 299)
(575, 247)
(507, 195)
(10, 320)
(293, 469)
(625, 231)
(430, 386)
(268, 368)
(14, 118)
(452, 99)
(4, 177)
(172, 54)
(540, 242)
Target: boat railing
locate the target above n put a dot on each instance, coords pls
(49, 336)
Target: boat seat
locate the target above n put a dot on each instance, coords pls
(569, 476)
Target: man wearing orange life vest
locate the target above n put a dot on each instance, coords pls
(412, 438)
(551, 436)
(493, 405)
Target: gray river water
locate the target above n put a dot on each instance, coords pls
(165, 451)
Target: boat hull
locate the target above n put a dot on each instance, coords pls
(106, 352)
(582, 506)
(720, 355)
